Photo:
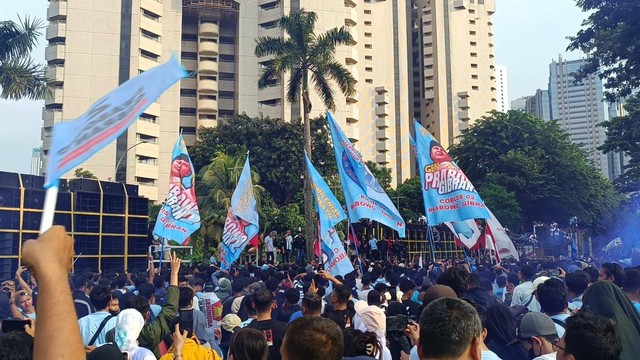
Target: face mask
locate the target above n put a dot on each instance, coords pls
(532, 354)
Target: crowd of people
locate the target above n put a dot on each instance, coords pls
(290, 311)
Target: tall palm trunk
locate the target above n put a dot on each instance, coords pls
(309, 224)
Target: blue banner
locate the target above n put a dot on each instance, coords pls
(75, 141)
(179, 216)
(242, 221)
(447, 192)
(365, 198)
(334, 258)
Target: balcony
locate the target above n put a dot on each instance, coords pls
(56, 29)
(463, 103)
(383, 122)
(382, 98)
(57, 10)
(383, 110)
(207, 123)
(352, 58)
(381, 134)
(207, 106)
(151, 24)
(268, 15)
(188, 102)
(187, 121)
(353, 133)
(208, 29)
(55, 52)
(353, 114)
(351, 18)
(208, 48)
(148, 150)
(151, 44)
(352, 99)
(354, 38)
(146, 63)
(55, 74)
(190, 46)
(208, 86)
(153, 109)
(350, 3)
(188, 83)
(148, 191)
(382, 146)
(51, 116)
(154, 6)
(463, 115)
(55, 97)
(148, 128)
(208, 67)
(383, 158)
(147, 170)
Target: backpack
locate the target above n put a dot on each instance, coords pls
(518, 312)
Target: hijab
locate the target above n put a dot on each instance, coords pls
(501, 331)
(128, 327)
(606, 299)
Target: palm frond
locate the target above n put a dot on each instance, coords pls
(267, 45)
(326, 43)
(17, 40)
(338, 73)
(22, 79)
(323, 89)
(294, 88)
(267, 75)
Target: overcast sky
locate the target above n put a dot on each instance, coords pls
(527, 33)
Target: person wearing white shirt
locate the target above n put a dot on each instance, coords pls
(271, 249)
(288, 247)
(94, 327)
(523, 293)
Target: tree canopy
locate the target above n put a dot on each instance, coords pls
(611, 38)
(80, 173)
(275, 151)
(516, 155)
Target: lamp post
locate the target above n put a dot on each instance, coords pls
(122, 157)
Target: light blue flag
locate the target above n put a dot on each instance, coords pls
(335, 259)
(447, 192)
(242, 222)
(75, 141)
(179, 216)
(365, 198)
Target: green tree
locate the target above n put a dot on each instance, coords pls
(381, 173)
(611, 38)
(214, 189)
(80, 173)
(409, 196)
(269, 141)
(310, 59)
(534, 159)
(623, 136)
(20, 76)
(503, 205)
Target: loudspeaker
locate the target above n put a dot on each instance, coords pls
(86, 185)
(132, 190)
(8, 179)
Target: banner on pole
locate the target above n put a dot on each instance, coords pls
(75, 141)
(179, 216)
(242, 223)
(447, 193)
(363, 194)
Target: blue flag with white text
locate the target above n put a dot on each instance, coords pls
(365, 198)
(447, 192)
(179, 216)
(242, 222)
(75, 141)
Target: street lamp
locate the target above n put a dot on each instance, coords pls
(122, 157)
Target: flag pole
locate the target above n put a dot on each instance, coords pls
(431, 248)
(355, 245)
(49, 209)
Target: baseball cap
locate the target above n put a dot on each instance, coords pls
(536, 324)
(230, 322)
(539, 280)
(573, 268)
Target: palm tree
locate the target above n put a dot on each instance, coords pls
(20, 77)
(217, 182)
(308, 58)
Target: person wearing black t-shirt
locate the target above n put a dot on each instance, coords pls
(340, 310)
(407, 287)
(272, 330)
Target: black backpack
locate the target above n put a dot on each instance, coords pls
(518, 312)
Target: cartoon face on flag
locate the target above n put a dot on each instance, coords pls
(447, 192)
(241, 225)
(363, 194)
(179, 216)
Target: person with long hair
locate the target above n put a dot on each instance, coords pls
(501, 331)
(248, 344)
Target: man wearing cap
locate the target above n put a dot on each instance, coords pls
(224, 289)
(538, 334)
(523, 293)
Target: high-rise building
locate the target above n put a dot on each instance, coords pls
(539, 104)
(36, 161)
(520, 103)
(94, 46)
(502, 88)
(453, 41)
(579, 108)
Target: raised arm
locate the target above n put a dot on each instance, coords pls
(50, 257)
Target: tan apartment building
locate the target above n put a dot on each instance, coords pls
(95, 45)
(454, 69)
